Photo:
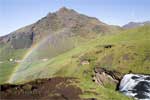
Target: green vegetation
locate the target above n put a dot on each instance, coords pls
(5, 69)
(129, 51)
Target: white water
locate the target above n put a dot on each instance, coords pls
(136, 86)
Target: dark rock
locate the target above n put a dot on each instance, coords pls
(108, 46)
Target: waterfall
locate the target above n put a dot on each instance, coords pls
(136, 86)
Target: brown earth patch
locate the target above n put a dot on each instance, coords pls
(107, 60)
(147, 58)
(42, 89)
(126, 57)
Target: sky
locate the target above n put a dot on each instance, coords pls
(15, 14)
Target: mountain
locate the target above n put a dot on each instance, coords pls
(54, 34)
(135, 24)
(66, 22)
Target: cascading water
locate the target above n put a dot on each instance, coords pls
(136, 86)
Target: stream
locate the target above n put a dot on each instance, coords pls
(136, 86)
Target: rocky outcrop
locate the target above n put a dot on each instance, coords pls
(4, 39)
(103, 76)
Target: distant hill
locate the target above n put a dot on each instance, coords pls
(135, 24)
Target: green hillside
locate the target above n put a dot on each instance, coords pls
(129, 51)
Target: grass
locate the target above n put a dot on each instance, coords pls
(5, 70)
(130, 52)
(7, 67)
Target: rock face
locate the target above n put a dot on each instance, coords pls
(137, 86)
(135, 24)
(103, 76)
(65, 22)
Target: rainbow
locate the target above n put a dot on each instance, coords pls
(29, 52)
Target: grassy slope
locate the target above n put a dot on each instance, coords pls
(7, 67)
(131, 52)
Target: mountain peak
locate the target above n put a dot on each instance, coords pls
(64, 9)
